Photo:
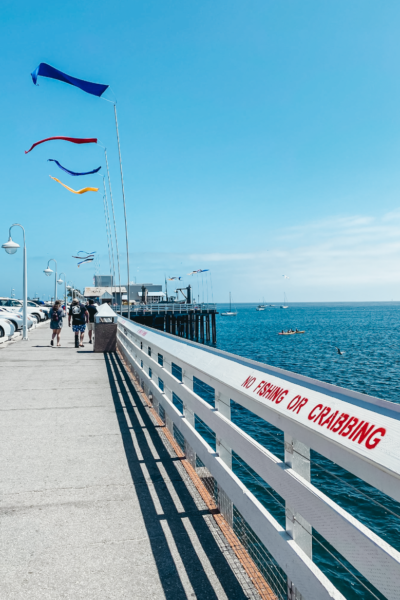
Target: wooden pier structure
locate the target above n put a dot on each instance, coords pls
(113, 486)
(191, 321)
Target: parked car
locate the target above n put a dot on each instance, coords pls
(16, 318)
(6, 328)
(42, 307)
(17, 306)
(12, 317)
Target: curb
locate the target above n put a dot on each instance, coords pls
(18, 334)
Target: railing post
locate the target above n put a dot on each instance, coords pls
(167, 365)
(297, 456)
(188, 413)
(223, 405)
(225, 505)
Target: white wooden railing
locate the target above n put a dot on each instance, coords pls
(363, 438)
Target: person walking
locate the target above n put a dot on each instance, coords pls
(92, 310)
(56, 322)
(79, 316)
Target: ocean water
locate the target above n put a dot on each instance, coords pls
(369, 336)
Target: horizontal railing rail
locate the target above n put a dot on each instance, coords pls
(300, 407)
(173, 307)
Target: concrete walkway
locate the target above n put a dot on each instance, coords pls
(94, 502)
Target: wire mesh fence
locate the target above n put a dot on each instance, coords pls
(177, 402)
(179, 438)
(207, 479)
(266, 564)
(206, 392)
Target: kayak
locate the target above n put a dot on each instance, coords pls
(290, 333)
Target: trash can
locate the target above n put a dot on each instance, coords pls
(105, 329)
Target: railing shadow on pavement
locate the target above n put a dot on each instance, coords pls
(125, 396)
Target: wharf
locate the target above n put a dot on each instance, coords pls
(96, 504)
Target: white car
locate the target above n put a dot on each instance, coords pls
(43, 308)
(17, 306)
(6, 328)
(16, 318)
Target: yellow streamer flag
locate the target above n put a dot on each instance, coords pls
(82, 191)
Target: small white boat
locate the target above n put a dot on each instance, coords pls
(261, 306)
(230, 312)
(284, 301)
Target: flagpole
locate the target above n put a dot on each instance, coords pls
(109, 235)
(123, 198)
(115, 231)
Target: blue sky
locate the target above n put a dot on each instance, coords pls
(258, 139)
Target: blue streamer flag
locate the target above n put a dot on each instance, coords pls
(84, 261)
(198, 271)
(45, 70)
(72, 172)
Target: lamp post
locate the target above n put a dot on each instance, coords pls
(11, 247)
(70, 287)
(60, 281)
(48, 272)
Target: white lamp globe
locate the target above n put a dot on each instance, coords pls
(10, 247)
(60, 281)
(48, 272)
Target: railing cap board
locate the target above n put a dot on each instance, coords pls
(373, 423)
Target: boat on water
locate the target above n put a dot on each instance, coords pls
(285, 304)
(261, 306)
(290, 332)
(230, 312)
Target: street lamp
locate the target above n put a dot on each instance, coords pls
(70, 287)
(60, 281)
(11, 247)
(48, 272)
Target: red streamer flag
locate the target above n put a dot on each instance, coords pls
(66, 139)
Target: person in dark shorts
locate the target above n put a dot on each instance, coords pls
(56, 322)
(92, 310)
(79, 316)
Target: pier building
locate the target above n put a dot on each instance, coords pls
(113, 293)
